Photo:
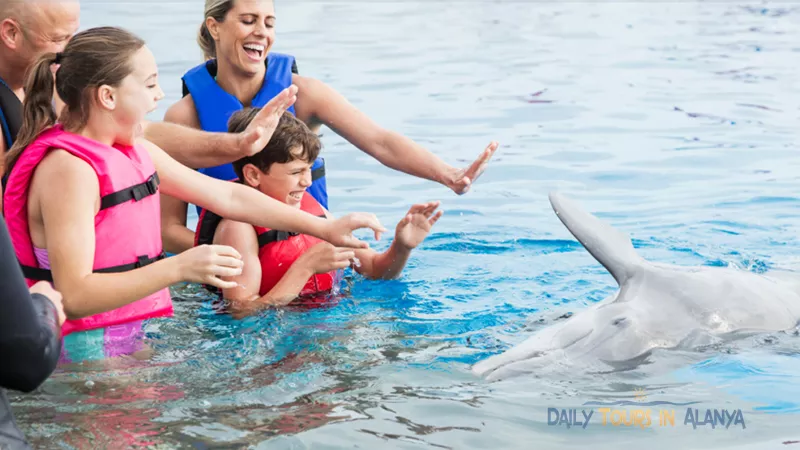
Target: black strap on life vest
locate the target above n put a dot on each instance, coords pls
(208, 223)
(10, 114)
(135, 193)
(35, 273)
(271, 236)
(268, 237)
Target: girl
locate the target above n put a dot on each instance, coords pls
(80, 198)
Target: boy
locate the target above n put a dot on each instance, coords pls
(280, 266)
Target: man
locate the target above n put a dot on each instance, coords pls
(30, 28)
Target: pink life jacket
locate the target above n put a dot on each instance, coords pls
(127, 227)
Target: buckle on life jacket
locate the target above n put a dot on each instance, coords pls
(135, 193)
(146, 189)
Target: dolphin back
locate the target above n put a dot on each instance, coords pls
(608, 246)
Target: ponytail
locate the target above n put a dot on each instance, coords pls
(38, 113)
(206, 42)
(217, 10)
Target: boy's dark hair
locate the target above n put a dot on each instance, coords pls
(290, 134)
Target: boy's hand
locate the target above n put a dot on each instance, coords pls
(416, 225)
(324, 258)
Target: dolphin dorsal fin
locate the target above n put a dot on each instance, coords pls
(608, 246)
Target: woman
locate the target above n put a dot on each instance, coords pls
(236, 37)
(30, 336)
(80, 198)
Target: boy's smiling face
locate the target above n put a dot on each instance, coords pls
(285, 182)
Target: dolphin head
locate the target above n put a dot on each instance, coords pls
(609, 334)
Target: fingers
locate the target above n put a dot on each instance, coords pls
(483, 160)
(435, 217)
(425, 209)
(251, 137)
(280, 103)
(365, 220)
(417, 207)
(405, 220)
(352, 242)
(430, 208)
(344, 254)
(220, 271)
(226, 250)
(340, 265)
(227, 261)
(341, 259)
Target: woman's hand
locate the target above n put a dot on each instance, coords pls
(258, 133)
(462, 179)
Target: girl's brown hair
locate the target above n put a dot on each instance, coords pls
(92, 58)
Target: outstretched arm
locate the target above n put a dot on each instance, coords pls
(318, 103)
(199, 149)
(194, 148)
(245, 204)
(410, 232)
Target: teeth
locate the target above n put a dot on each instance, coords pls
(256, 47)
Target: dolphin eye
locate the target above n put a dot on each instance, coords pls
(619, 321)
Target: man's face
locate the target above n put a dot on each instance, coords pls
(46, 26)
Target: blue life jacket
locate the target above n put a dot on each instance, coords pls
(215, 106)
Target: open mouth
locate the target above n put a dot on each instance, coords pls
(255, 51)
(297, 195)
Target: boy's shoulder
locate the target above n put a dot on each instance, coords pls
(239, 235)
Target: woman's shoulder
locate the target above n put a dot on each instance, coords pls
(183, 112)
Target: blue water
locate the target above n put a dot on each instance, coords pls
(674, 121)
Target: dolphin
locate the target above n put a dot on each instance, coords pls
(657, 306)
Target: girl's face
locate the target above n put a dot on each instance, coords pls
(135, 97)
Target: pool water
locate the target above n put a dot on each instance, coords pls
(674, 121)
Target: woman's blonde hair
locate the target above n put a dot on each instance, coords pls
(217, 9)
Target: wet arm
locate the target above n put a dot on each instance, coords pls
(386, 265)
(192, 147)
(231, 200)
(244, 299)
(318, 103)
(174, 234)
